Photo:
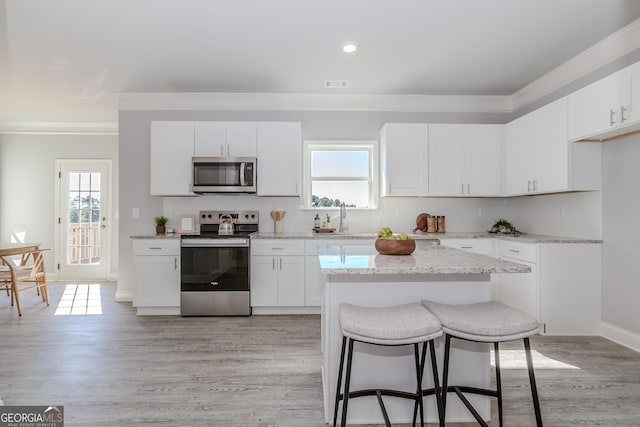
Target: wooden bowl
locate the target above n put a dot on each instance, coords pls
(395, 247)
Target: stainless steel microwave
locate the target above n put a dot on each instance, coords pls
(224, 175)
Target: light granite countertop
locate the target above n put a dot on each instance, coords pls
(156, 236)
(527, 238)
(359, 260)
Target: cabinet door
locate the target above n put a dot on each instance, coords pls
(312, 281)
(518, 290)
(518, 154)
(279, 159)
(551, 147)
(445, 155)
(241, 140)
(404, 159)
(264, 281)
(210, 139)
(290, 281)
(630, 94)
(171, 152)
(594, 108)
(481, 159)
(156, 281)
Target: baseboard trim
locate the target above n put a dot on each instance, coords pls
(284, 310)
(124, 296)
(621, 336)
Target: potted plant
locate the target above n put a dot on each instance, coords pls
(503, 226)
(161, 221)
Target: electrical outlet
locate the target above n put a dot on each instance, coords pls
(562, 212)
(482, 211)
(135, 213)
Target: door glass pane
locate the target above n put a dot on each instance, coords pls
(83, 235)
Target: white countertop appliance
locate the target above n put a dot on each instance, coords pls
(214, 275)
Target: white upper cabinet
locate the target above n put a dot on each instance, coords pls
(540, 159)
(171, 152)
(404, 159)
(465, 159)
(606, 108)
(279, 159)
(594, 108)
(228, 139)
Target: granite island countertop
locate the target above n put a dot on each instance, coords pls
(527, 238)
(363, 260)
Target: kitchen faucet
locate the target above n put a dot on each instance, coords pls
(343, 214)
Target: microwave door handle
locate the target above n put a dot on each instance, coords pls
(242, 167)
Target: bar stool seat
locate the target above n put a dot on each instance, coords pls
(487, 322)
(390, 326)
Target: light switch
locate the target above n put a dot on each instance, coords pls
(135, 213)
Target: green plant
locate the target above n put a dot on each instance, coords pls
(503, 226)
(161, 220)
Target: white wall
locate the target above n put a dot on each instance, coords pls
(621, 233)
(28, 180)
(564, 214)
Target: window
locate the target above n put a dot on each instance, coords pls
(340, 171)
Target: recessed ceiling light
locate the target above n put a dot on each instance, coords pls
(349, 47)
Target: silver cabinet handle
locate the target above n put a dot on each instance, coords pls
(273, 263)
(528, 186)
(468, 188)
(221, 150)
(514, 250)
(228, 150)
(622, 118)
(277, 249)
(280, 263)
(611, 120)
(461, 188)
(466, 247)
(175, 263)
(155, 248)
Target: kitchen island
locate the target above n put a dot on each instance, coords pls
(359, 275)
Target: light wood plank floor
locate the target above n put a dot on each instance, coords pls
(118, 369)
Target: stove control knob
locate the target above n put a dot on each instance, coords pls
(246, 216)
(204, 216)
(209, 216)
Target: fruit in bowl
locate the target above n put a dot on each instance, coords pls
(388, 243)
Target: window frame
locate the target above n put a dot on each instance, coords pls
(340, 145)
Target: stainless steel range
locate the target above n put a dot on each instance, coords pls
(214, 279)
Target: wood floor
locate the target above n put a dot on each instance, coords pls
(118, 369)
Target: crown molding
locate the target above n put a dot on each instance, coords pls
(614, 47)
(313, 102)
(55, 128)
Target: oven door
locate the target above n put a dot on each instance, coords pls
(214, 265)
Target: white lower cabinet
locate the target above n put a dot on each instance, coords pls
(563, 288)
(156, 274)
(477, 246)
(277, 273)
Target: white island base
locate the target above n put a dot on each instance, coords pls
(394, 367)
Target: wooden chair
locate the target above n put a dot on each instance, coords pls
(28, 274)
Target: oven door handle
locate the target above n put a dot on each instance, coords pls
(215, 243)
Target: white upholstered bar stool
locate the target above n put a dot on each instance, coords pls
(487, 322)
(389, 326)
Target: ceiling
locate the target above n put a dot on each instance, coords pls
(66, 60)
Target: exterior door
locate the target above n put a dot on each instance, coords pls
(83, 222)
